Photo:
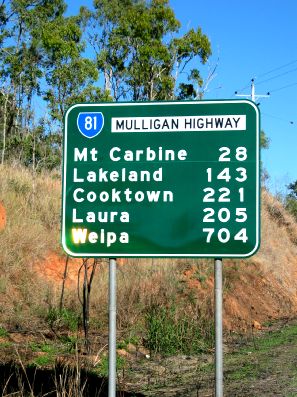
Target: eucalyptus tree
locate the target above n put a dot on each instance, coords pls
(138, 51)
(21, 67)
(40, 57)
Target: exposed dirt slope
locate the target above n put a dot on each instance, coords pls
(267, 287)
(256, 290)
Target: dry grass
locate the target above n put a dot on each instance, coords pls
(33, 209)
(33, 213)
(33, 231)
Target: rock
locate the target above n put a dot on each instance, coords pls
(138, 351)
(144, 351)
(257, 325)
(124, 353)
(131, 348)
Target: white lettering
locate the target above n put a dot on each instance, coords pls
(80, 156)
(178, 123)
(91, 176)
(124, 238)
(79, 236)
(78, 200)
(110, 238)
(75, 177)
(111, 154)
(74, 217)
(93, 237)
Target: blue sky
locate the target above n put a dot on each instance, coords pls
(251, 39)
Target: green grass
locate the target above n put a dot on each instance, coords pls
(271, 339)
(170, 332)
(42, 361)
(3, 333)
(64, 318)
(44, 348)
(246, 370)
(258, 361)
(66, 344)
(123, 344)
(102, 367)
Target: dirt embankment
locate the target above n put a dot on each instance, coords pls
(256, 290)
(263, 287)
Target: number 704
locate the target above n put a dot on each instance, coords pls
(223, 235)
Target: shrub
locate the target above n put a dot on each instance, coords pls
(170, 332)
(64, 318)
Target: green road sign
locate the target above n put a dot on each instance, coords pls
(161, 179)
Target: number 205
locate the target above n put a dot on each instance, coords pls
(224, 215)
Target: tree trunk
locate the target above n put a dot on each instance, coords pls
(4, 128)
(87, 285)
(107, 80)
(63, 284)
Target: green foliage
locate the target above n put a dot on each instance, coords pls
(46, 353)
(103, 365)
(291, 199)
(293, 190)
(38, 149)
(64, 318)
(137, 51)
(134, 51)
(264, 140)
(42, 361)
(134, 340)
(69, 76)
(3, 332)
(291, 206)
(70, 343)
(170, 332)
(43, 347)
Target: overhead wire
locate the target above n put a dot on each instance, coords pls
(277, 76)
(277, 89)
(285, 86)
(241, 89)
(277, 68)
(277, 117)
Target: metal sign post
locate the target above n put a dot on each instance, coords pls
(112, 355)
(218, 276)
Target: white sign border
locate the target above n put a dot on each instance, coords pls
(165, 103)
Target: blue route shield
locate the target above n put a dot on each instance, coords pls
(90, 124)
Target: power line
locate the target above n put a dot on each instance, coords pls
(273, 77)
(277, 76)
(253, 95)
(277, 68)
(241, 89)
(282, 88)
(277, 117)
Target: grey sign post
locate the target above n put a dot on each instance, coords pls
(112, 358)
(218, 276)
